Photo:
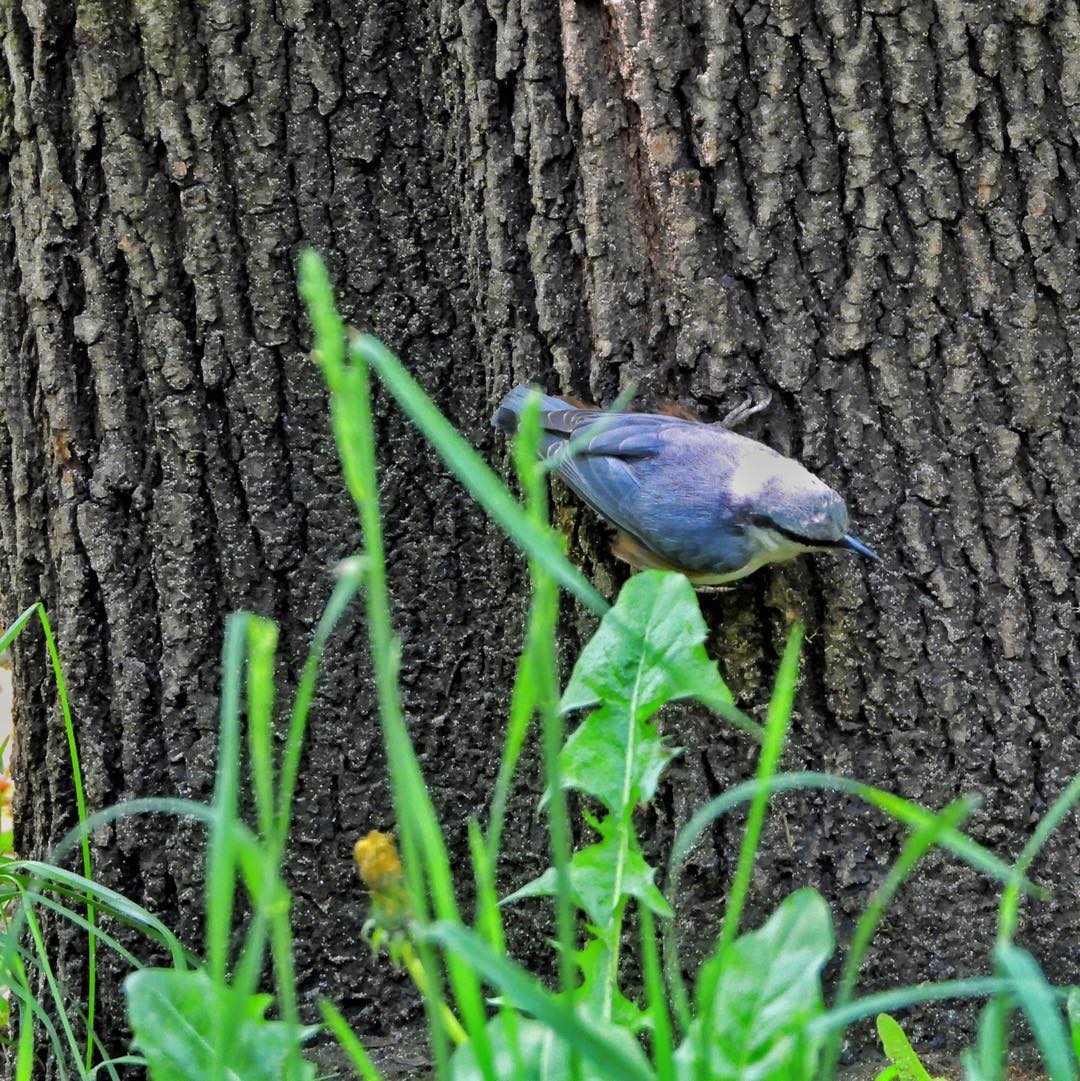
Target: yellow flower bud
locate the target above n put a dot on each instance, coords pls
(378, 862)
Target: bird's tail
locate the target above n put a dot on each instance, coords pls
(505, 418)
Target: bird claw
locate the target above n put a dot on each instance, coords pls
(746, 409)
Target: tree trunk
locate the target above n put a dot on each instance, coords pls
(869, 209)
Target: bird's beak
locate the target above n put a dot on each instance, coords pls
(856, 545)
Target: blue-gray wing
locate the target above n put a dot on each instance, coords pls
(607, 458)
(598, 457)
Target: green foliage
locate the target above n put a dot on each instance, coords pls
(1073, 1007)
(757, 996)
(531, 1051)
(756, 1011)
(904, 1063)
(174, 1017)
(1039, 1002)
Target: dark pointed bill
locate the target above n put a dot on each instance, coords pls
(856, 545)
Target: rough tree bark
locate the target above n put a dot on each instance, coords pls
(870, 208)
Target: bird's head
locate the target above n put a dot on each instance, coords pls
(782, 497)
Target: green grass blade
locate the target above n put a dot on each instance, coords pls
(69, 914)
(80, 805)
(423, 845)
(898, 1050)
(1039, 1002)
(474, 473)
(522, 705)
(104, 899)
(489, 925)
(262, 637)
(221, 861)
(528, 994)
(902, 997)
(120, 1060)
(261, 646)
(42, 961)
(281, 951)
(24, 1063)
(776, 725)
(1008, 910)
(544, 669)
(917, 845)
(348, 1042)
(315, 288)
(989, 1056)
(1072, 1010)
(908, 813)
(17, 985)
(351, 576)
(656, 1001)
(16, 628)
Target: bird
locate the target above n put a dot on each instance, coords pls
(685, 495)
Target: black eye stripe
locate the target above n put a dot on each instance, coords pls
(798, 538)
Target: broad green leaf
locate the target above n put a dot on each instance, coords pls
(600, 759)
(648, 650)
(602, 876)
(756, 998)
(1038, 1001)
(541, 1055)
(172, 1017)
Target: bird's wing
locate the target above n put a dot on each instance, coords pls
(601, 468)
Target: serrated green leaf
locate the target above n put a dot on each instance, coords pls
(172, 1016)
(541, 1055)
(602, 875)
(600, 759)
(597, 996)
(648, 650)
(756, 998)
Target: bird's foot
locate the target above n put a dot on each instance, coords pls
(746, 409)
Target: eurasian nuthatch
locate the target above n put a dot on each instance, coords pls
(684, 495)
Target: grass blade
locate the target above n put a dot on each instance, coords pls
(221, 860)
(348, 1042)
(656, 1001)
(1010, 898)
(80, 797)
(423, 845)
(905, 812)
(776, 726)
(24, 1064)
(474, 473)
(528, 994)
(351, 576)
(902, 997)
(1039, 1002)
(917, 845)
(262, 637)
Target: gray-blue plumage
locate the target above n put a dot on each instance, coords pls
(685, 495)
